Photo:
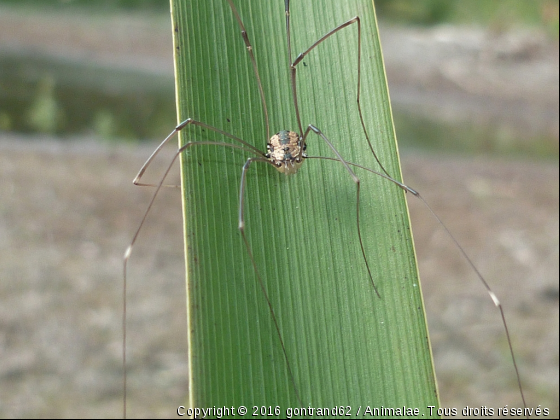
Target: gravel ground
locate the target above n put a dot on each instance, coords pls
(68, 209)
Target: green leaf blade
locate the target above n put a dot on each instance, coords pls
(346, 346)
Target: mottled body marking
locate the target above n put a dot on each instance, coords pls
(286, 151)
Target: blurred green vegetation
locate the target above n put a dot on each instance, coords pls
(148, 5)
(42, 94)
(499, 14)
(496, 14)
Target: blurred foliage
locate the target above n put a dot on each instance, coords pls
(142, 5)
(149, 5)
(41, 94)
(44, 114)
(498, 14)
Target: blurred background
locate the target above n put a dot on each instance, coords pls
(86, 93)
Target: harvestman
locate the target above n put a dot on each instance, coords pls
(286, 151)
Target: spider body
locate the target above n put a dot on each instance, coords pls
(286, 151)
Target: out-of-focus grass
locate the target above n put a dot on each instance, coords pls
(497, 13)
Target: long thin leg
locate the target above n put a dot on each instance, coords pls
(301, 56)
(241, 226)
(488, 290)
(386, 174)
(311, 127)
(492, 295)
(245, 146)
(254, 63)
(185, 123)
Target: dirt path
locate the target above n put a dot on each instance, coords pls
(69, 212)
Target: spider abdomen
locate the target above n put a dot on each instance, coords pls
(286, 151)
